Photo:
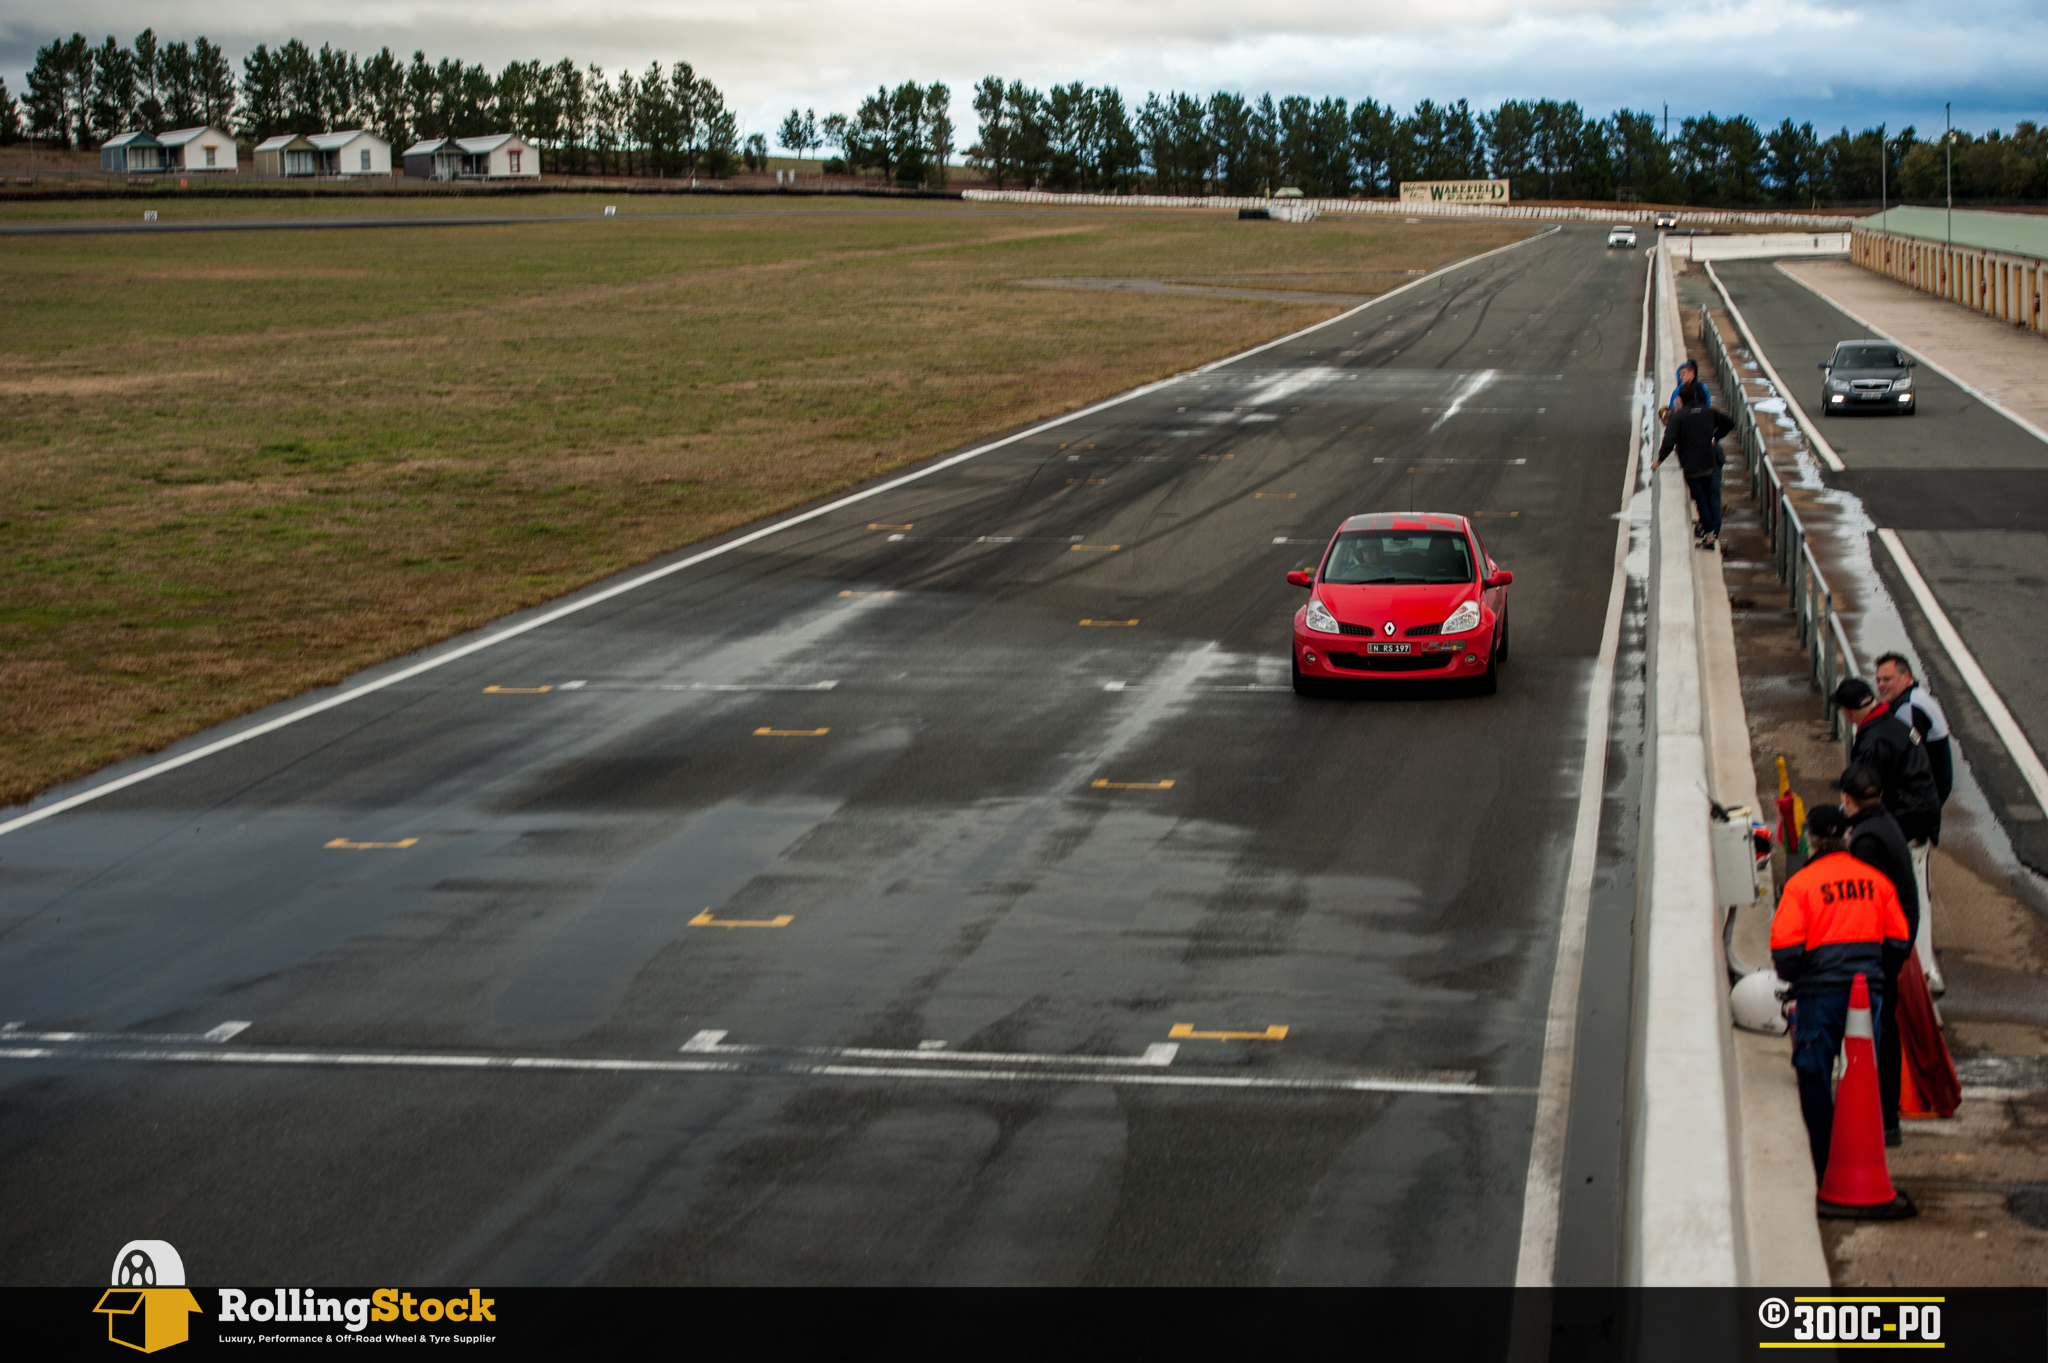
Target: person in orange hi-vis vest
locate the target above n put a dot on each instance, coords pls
(1837, 918)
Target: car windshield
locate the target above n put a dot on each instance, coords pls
(1869, 357)
(1420, 556)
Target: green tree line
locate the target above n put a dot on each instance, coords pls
(1072, 137)
(662, 121)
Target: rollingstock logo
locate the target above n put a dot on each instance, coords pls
(149, 1307)
(299, 1306)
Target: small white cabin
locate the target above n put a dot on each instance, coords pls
(200, 149)
(500, 156)
(355, 151)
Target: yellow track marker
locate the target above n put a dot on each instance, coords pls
(1130, 785)
(1273, 496)
(705, 920)
(1109, 622)
(791, 733)
(1185, 1031)
(890, 593)
(1100, 548)
(1090, 482)
(876, 525)
(1497, 513)
(358, 846)
(517, 690)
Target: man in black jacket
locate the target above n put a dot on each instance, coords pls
(1695, 431)
(1885, 745)
(1875, 840)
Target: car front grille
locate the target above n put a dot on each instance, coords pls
(1343, 628)
(1423, 631)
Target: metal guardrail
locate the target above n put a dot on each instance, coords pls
(1813, 600)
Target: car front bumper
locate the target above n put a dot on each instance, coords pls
(1343, 657)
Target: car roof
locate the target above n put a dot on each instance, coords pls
(1889, 345)
(1405, 520)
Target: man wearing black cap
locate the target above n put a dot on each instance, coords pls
(1875, 840)
(1836, 919)
(1885, 745)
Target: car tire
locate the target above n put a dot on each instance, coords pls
(1500, 649)
(1489, 680)
(1912, 408)
(1305, 685)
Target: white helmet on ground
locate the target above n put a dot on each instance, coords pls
(1759, 1003)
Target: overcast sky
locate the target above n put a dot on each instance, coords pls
(1835, 62)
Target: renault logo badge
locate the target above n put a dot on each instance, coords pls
(1390, 629)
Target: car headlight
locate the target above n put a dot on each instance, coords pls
(1319, 617)
(1463, 618)
(1902, 385)
(1839, 385)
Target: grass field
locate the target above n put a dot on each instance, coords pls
(234, 466)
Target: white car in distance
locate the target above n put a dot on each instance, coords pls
(1624, 234)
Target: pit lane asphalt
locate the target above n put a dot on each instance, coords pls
(1966, 489)
(1380, 875)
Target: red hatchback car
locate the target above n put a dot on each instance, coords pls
(1405, 594)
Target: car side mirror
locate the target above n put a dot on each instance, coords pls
(1822, 365)
(1500, 578)
(1297, 578)
(1912, 364)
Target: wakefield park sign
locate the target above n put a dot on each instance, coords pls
(1454, 191)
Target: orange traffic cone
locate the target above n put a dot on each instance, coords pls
(1857, 1186)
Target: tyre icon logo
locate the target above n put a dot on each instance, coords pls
(135, 1269)
(1773, 1313)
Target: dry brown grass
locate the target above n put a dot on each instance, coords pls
(236, 466)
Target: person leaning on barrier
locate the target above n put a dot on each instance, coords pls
(1885, 745)
(1688, 372)
(1837, 918)
(1695, 431)
(1875, 840)
(1917, 710)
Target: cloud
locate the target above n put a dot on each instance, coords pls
(1833, 61)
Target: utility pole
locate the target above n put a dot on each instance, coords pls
(1948, 158)
(1883, 158)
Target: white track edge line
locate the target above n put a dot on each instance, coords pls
(1543, 1187)
(385, 1060)
(1812, 432)
(585, 602)
(2015, 738)
(1958, 380)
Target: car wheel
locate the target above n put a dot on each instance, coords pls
(1911, 408)
(1489, 680)
(1305, 685)
(1500, 649)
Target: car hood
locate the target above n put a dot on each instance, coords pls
(1845, 373)
(1406, 606)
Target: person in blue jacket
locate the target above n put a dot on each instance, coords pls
(1688, 372)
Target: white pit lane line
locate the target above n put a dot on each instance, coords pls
(582, 603)
(1141, 1072)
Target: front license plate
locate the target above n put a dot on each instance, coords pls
(1390, 648)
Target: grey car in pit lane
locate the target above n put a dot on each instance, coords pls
(1868, 376)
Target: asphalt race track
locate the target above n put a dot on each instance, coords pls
(827, 912)
(1967, 491)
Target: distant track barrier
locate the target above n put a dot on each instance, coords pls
(1709, 217)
